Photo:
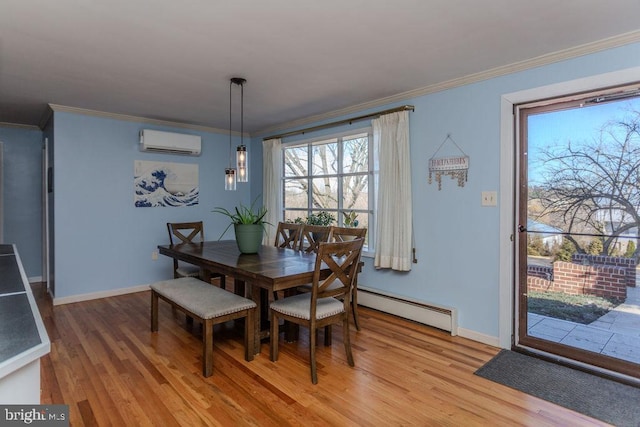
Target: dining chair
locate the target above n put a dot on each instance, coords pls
(341, 234)
(312, 236)
(288, 235)
(188, 232)
(327, 303)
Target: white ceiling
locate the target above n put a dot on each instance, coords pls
(172, 60)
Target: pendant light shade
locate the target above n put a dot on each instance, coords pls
(241, 163)
(230, 179)
(241, 152)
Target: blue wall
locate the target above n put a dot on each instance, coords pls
(22, 173)
(458, 240)
(103, 242)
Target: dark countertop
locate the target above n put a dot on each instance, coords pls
(18, 331)
(10, 279)
(23, 337)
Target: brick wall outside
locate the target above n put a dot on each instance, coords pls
(629, 264)
(578, 279)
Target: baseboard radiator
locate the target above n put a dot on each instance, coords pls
(441, 317)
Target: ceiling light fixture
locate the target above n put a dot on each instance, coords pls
(230, 175)
(242, 158)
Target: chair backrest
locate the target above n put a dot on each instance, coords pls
(312, 236)
(342, 258)
(185, 232)
(288, 235)
(340, 234)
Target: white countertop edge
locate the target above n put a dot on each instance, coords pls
(20, 360)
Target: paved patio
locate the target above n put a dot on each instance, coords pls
(615, 334)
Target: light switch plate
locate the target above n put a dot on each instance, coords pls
(489, 198)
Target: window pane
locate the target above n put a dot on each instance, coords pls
(356, 154)
(355, 192)
(296, 161)
(295, 193)
(324, 193)
(325, 159)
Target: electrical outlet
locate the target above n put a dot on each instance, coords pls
(154, 255)
(489, 198)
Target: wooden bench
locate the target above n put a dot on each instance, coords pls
(209, 304)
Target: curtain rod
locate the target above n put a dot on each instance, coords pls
(341, 122)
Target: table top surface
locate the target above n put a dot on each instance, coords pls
(272, 267)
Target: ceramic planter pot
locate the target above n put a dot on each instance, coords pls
(248, 237)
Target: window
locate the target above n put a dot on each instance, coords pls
(332, 174)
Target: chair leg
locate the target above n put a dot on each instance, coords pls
(312, 355)
(273, 344)
(354, 308)
(207, 352)
(154, 311)
(347, 339)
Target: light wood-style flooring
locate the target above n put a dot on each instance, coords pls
(111, 370)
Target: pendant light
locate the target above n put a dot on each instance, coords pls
(230, 175)
(241, 151)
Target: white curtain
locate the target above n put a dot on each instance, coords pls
(271, 186)
(394, 234)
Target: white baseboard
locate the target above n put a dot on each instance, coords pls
(438, 316)
(35, 279)
(476, 336)
(98, 295)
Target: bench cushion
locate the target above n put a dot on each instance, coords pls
(202, 299)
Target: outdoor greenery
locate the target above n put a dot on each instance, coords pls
(583, 309)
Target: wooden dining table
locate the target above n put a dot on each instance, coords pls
(272, 269)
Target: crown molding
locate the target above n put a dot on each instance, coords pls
(574, 52)
(128, 118)
(18, 126)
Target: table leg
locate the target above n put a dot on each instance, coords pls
(205, 275)
(238, 287)
(255, 296)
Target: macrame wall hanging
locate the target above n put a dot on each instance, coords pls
(457, 167)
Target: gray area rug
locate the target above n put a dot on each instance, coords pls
(606, 400)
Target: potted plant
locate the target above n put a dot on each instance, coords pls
(248, 223)
(350, 219)
(321, 218)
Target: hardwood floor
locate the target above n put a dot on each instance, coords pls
(111, 370)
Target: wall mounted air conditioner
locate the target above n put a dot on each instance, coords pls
(156, 141)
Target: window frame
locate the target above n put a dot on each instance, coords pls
(371, 174)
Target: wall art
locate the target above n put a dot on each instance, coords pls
(165, 184)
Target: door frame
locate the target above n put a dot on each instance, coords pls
(508, 195)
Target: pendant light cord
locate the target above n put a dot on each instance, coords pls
(241, 113)
(230, 122)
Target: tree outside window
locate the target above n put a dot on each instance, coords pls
(333, 175)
